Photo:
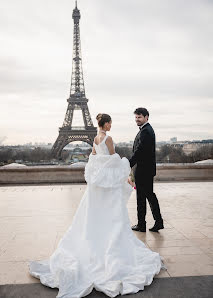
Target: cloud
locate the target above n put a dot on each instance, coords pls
(2, 139)
(156, 54)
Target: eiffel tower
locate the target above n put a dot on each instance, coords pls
(76, 101)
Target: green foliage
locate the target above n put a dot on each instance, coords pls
(167, 153)
(9, 155)
(171, 154)
(124, 151)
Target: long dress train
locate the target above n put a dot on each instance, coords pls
(99, 250)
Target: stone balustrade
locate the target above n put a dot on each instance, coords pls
(72, 174)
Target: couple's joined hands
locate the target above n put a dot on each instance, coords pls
(132, 183)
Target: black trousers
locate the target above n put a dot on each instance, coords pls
(144, 187)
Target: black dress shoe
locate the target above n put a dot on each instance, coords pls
(139, 228)
(157, 226)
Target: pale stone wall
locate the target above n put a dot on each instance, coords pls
(41, 174)
(184, 172)
(68, 174)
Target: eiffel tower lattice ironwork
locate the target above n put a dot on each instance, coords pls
(76, 101)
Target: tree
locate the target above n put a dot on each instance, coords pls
(124, 151)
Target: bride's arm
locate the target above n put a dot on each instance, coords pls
(93, 150)
(110, 145)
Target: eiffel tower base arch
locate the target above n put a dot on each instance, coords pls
(66, 138)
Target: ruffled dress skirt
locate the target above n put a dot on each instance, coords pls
(99, 250)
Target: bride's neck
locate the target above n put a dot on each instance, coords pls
(101, 130)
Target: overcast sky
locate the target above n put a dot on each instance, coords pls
(156, 54)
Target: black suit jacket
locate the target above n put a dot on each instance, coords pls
(144, 151)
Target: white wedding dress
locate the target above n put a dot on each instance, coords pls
(99, 250)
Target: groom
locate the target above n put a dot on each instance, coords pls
(145, 169)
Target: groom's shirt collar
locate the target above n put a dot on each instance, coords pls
(140, 127)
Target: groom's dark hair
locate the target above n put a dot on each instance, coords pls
(141, 111)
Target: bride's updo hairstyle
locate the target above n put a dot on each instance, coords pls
(102, 119)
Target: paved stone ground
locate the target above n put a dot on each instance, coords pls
(34, 218)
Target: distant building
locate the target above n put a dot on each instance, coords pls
(77, 150)
(173, 140)
(189, 148)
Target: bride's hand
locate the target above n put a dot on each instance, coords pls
(130, 181)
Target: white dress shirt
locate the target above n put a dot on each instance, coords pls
(143, 124)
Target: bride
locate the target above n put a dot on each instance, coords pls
(100, 250)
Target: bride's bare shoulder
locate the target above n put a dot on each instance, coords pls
(109, 140)
(95, 139)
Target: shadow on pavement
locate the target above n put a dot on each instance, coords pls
(172, 287)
